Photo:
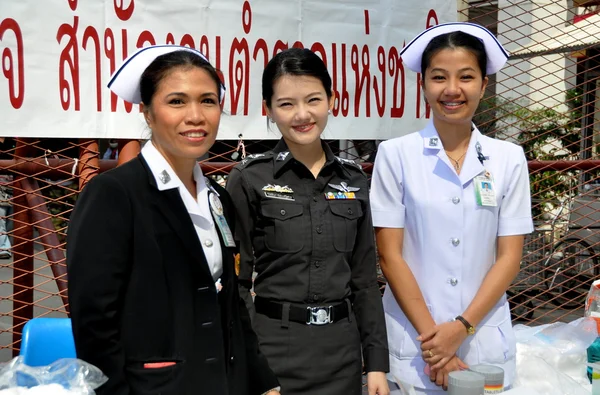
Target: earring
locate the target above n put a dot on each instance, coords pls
(271, 120)
(328, 111)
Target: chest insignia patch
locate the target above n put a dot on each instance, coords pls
(344, 187)
(339, 195)
(344, 191)
(278, 192)
(433, 141)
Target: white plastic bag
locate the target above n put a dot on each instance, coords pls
(552, 359)
(63, 377)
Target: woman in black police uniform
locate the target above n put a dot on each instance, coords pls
(152, 290)
(304, 226)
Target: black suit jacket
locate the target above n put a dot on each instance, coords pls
(140, 291)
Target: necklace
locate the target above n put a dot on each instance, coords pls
(456, 161)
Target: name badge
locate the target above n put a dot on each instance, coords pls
(485, 191)
(216, 207)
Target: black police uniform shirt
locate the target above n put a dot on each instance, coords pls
(310, 240)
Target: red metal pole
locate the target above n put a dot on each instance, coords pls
(56, 169)
(88, 161)
(22, 253)
(128, 149)
(558, 165)
(61, 168)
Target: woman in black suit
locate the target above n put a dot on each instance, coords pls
(152, 288)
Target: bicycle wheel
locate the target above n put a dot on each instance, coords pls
(569, 272)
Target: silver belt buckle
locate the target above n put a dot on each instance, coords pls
(319, 315)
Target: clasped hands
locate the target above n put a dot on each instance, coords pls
(438, 349)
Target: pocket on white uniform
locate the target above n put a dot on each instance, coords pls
(402, 336)
(495, 338)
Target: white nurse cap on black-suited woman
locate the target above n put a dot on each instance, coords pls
(125, 81)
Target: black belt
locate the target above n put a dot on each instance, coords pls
(304, 314)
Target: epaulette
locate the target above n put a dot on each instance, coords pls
(349, 163)
(254, 158)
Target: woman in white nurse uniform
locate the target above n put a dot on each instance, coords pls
(450, 207)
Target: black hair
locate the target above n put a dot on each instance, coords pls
(455, 40)
(164, 64)
(295, 62)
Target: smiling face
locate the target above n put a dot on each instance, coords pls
(453, 86)
(184, 115)
(299, 106)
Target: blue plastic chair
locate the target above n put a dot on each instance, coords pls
(45, 340)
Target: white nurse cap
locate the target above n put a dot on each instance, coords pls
(125, 82)
(496, 55)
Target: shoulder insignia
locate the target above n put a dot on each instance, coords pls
(254, 158)
(349, 163)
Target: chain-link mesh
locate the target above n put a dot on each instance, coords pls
(546, 100)
(546, 103)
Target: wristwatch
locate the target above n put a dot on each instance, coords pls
(470, 328)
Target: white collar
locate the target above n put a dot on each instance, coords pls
(163, 172)
(432, 145)
(431, 138)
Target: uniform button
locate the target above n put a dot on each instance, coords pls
(455, 200)
(314, 198)
(453, 282)
(319, 229)
(317, 264)
(350, 211)
(455, 242)
(282, 212)
(231, 359)
(315, 297)
(208, 243)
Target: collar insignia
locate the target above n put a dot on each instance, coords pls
(282, 155)
(164, 177)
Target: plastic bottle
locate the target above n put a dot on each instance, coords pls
(494, 378)
(465, 383)
(595, 378)
(592, 309)
(593, 355)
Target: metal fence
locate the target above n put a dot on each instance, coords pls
(546, 100)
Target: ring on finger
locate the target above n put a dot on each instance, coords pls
(431, 354)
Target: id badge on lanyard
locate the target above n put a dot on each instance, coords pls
(216, 207)
(485, 190)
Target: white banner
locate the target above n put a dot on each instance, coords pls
(57, 57)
